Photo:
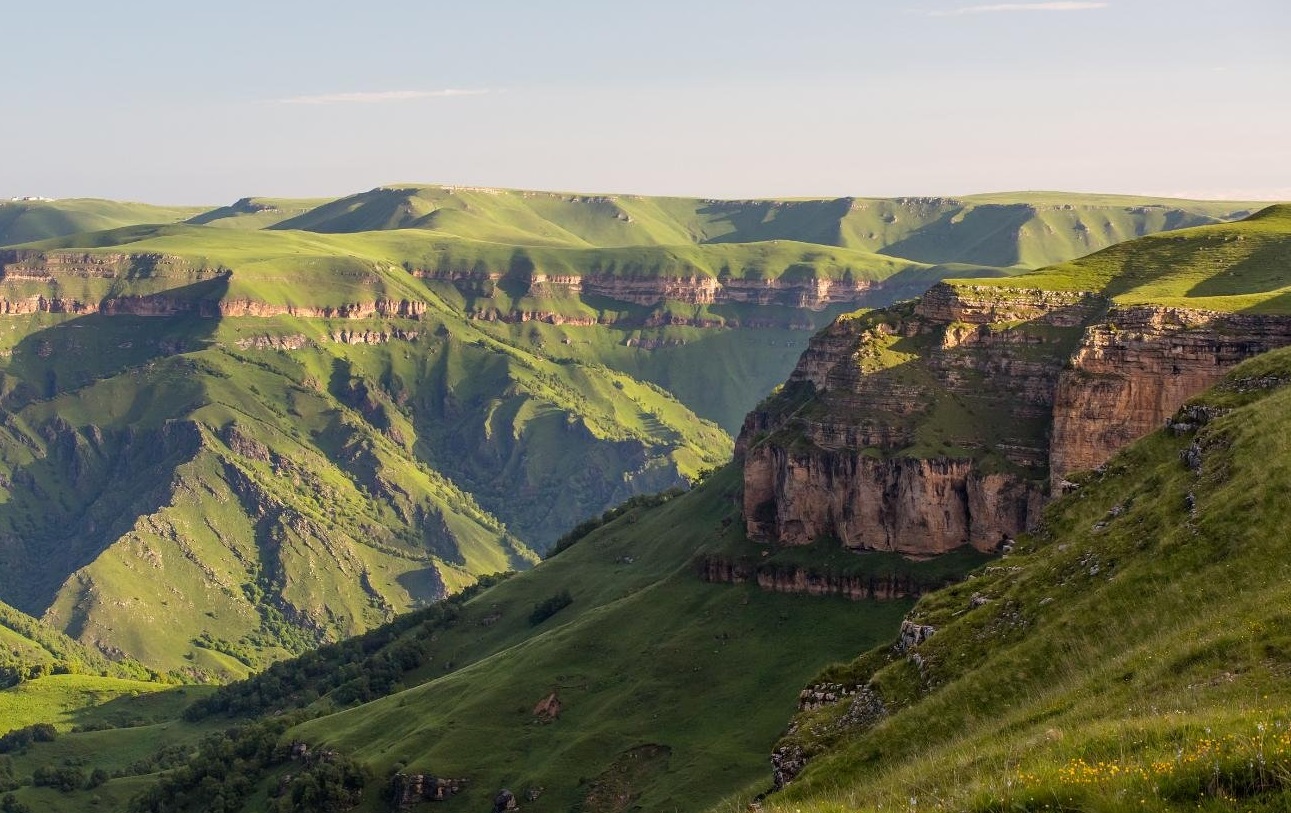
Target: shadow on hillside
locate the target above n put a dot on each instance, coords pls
(1267, 268)
(95, 465)
(990, 233)
(808, 221)
(1280, 304)
(81, 350)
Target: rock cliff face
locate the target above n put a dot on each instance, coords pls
(802, 580)
(921, 428)
(1133, 370)
(815, 294)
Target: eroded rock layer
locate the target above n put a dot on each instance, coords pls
(924, 427)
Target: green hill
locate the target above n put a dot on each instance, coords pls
(652, 661)
(653, 670)
(283, 422)
(23, 221)
(1007, 229)
(1128, 654)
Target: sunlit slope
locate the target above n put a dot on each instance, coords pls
(645, 654)
(1240, 266)
(1130, 654)
(298, 496)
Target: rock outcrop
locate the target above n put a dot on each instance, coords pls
(695, 289)
(924, 427)
(781, 579)
(1133, 370)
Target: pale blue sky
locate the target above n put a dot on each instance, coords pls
(187, 103)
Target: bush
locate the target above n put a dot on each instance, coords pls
(548, 607)
(20, 738)
(66, 778)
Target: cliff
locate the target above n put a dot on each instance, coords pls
(1133, 370)
(810, 293)
(928, 426)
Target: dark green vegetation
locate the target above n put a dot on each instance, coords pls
(1130, 654)
(231, 435)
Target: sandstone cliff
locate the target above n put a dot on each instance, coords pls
(929, 426)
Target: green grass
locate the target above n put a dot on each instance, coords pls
(172, 480)
(1131, 654)
(25, 221)
(68, 700)
(1007, 229)
(645, 654)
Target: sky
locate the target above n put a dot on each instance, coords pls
(171, 102)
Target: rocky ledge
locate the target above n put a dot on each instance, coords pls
(929, 426)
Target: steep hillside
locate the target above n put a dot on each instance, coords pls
(930, 425)
(1129, 654)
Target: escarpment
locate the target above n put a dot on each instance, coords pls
(1133, 370)
(927, 426)
(806, 292)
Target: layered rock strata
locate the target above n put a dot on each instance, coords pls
(694, 289)
(1134, 369)
(925, 427)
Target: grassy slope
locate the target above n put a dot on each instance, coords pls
(1131, 654)
(25, 221)
(485, 405)
(1228, 267)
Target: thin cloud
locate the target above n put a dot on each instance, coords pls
(1004, 8)
(378, 96)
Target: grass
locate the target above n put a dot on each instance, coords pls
(645, 656)
(627, 657)
(25, 221)
(68, 700)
